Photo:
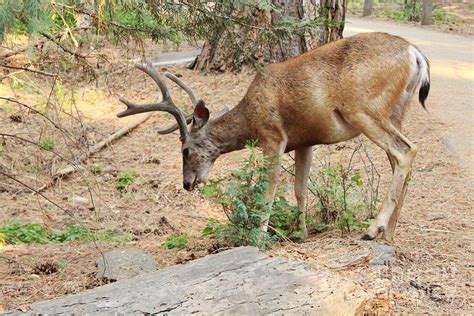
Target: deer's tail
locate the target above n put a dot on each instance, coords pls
(424, 75)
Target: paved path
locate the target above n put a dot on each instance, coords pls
(176, 57)
(452, 80)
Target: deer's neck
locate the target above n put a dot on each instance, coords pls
(230, 131)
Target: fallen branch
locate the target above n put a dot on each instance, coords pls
(97, 147)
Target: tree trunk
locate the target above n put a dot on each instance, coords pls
(221, 54)
(85, 20)
(368, 6)
(427, 12)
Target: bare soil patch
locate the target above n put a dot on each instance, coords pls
(434, 267)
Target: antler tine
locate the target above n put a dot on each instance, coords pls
(184, 86)
(166, 105)
(192, 95)
(175, 126)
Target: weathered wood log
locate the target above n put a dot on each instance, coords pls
(240, 281)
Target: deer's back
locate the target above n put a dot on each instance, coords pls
(313, 94)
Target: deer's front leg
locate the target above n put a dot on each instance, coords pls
(273, 150)
(302, 166)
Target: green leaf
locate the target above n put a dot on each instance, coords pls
(176, 241)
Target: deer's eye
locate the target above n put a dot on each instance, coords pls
(186, 152)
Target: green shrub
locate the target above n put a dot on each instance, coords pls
(18, 233)
(341, 203)
(176, 241)
(344, 201)
(440, 16)
(27, 233)
(46, 144)
(125, 179)
(410, 12)
(96, 169)
(242, 197)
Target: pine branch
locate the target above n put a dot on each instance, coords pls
(64, 48)
(47, 74)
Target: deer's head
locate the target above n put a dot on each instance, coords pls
(198, 150)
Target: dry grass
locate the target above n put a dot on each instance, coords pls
(433, 271)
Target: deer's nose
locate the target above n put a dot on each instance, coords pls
(187, 186)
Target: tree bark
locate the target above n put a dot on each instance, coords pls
(368, 6)
(427, 12)
(84, 21)
(217, 55)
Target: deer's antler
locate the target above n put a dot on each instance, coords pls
(192, 95)
(166, 105)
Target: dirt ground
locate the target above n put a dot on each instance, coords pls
(434, 243)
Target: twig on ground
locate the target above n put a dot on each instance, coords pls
(38, 112)
(431, 230)
(37, 192)
(99, 146)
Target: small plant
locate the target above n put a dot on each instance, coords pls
(19, 233)
(125, 179)
(96, 169)
(440, 16)
(242, 197)
(176, 241)
(340, 202)
(27, 233)
(46, 144)
(410, 12)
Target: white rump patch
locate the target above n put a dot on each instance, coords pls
(419, 66)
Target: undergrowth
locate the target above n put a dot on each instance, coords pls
(409, 12)
(125, 179)
(15, 232)
(242, 198)
(340, 204)
(176, 241)
(412, 12)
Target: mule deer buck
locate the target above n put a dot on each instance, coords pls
(358, 85)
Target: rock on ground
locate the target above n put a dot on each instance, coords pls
(123, 264)
(240, 281)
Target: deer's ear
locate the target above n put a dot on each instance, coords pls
(200, 115)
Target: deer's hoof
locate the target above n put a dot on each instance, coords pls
(367, 237)
(373, 232)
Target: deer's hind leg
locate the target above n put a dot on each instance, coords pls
(401, 153)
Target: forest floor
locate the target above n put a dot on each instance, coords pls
(433, 271)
